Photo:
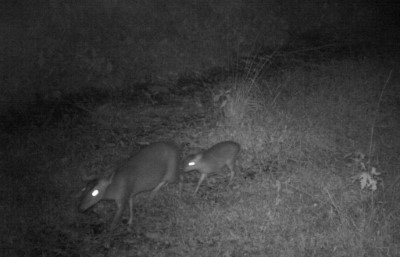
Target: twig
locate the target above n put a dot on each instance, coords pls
(376, 115)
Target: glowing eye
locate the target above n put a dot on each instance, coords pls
(191, 163)
(95, 192)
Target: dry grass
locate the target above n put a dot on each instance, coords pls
(294, 196)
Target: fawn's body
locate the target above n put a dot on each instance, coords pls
(213, 160)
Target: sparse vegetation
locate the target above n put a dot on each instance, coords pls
(319, 132)
(295, 195)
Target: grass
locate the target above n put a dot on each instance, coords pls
(294, 196)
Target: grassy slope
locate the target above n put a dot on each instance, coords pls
(294, 195)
